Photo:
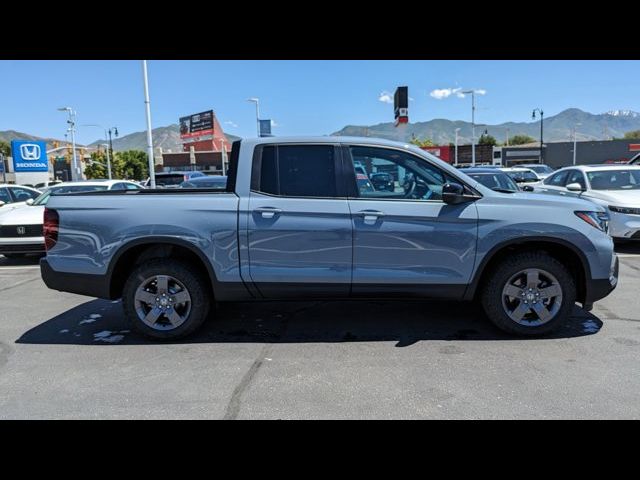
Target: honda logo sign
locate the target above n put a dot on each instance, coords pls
(29, 156)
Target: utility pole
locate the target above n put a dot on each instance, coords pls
(473, 125)
(76, 174)
(257, 102)
(533, 116)
(507, 139)
(456, 148)
(575, 143)
(147, 102)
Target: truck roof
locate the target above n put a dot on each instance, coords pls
(329, 139)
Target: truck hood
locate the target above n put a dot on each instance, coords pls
(551, 200)
(25, 215)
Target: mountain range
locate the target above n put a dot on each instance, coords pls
(557, 128)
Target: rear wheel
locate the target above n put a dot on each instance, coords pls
(530, 293)
(165, 299)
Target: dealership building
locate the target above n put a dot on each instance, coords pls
(557, 154)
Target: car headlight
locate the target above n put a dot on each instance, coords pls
(628, 210)
(599, 220)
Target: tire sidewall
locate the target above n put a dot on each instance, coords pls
(492, 294)
(193, 282)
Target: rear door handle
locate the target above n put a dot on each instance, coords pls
(267, 212)
(370, 216)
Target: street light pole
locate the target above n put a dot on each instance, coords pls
(473, 125)
(147, 102)
(257, 102)
(575, 144)
(533, 116)
(107, 146)
(75, 174)
(456, 148)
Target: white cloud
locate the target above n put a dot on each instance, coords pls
(231, 124)
(440, 93)
(385, 97)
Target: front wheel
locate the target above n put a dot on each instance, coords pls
(529, 293)
(165, 299)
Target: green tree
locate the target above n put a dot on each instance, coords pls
(94, 169)
(632, 135)
(521, 140)
(5, 148)
(131, 164)
(486, 139)
(424, 142)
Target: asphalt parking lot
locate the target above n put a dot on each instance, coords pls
(67, 356)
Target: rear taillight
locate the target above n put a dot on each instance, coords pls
(50, 228)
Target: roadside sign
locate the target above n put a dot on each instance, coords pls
(29, 156)
(265, 128)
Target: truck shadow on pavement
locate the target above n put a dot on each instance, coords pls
(101, 322)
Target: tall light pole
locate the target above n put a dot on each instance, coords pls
(473, 124)
(75, 173)
(113, 130)
(533, 116)
(107, 145)
(257, 102)
(456, 148)
(575, 144)
(147, 102)
(507, 139)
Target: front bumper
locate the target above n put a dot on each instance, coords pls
(599, 288)
(22, 245)
(624, 225)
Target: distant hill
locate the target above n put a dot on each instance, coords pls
(557, 128)
(9, 135)
(166, 137)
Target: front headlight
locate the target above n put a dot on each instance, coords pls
(599, 220)
(627, 210)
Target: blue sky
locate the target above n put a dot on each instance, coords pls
(302, 97)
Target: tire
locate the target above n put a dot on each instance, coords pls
(171, 317)
(510, 276)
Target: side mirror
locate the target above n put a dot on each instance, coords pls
(453, 193)
(29, 202)
(575, 187)
(527, 188)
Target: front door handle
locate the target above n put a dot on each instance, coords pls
(268, 212)
(370, 216)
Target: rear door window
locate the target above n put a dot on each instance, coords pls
(297, 171)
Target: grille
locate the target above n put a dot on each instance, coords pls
(29, 231)
(22, 248)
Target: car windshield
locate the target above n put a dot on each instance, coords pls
(614, 179)
(523, 176)
(169, 180)
(44, 198)
(544, 169)
(214, 183)
(495, 180)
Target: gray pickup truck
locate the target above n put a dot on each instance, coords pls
(298, 220)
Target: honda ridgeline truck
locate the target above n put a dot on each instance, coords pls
(296, 221)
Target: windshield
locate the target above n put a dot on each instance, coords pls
(214, 183)
(544, 169)
(523, 176)
(614, 179)
(44, 198)
(169, 180)
(495, 180)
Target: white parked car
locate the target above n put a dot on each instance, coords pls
(15, 195)
(542, 170)
(616, 187)
(21, 227)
